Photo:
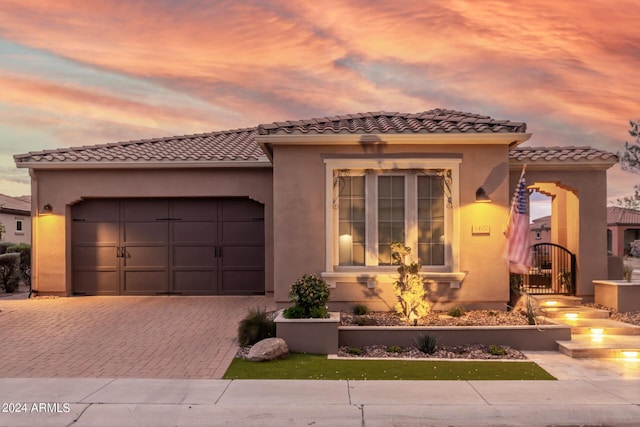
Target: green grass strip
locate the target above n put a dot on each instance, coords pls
(317, 367)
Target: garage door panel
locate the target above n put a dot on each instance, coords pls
(145, 282)
(95, 282)
(194, 256)
(243, 232)
(243, 256)
(195, 210)
(146, 232)
(242, 282)
(149, 257)
(95, 257)
(241, 210)
(97, 211)
(195, 282)
(194, 232)
(96, 233)
(144, 209)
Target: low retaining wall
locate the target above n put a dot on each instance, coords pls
(617, 294)
(317, 336)
(535, 338)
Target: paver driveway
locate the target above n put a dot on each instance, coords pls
(121, 337)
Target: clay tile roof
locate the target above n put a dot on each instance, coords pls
(432, 121)
(232, 145)
(563, 154)
(622, 216)
(15, 204)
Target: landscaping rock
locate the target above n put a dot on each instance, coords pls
(268, 349)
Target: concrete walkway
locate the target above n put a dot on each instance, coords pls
(155, 402)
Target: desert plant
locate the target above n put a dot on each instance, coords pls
(394, 349)
(496, 350)
(627, 271)
(4, 246)
(309, 296)
(9, 272)
(456, 311)
(409, 288)
(531, 312)
(360, 309)
(426, 343)
(24, 250)
(256, 326)
(365, 321)
(355, 351)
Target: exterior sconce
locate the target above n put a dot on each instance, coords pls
(47, 209)
(481, 196)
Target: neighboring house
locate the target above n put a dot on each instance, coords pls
(623, 227)
(248, 211)
(15, 216)
(541, 230)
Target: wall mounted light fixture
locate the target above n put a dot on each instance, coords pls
(47, 209)
(481, 196)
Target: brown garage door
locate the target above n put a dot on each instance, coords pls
(167, 246)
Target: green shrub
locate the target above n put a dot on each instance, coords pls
(24, 250)
(360, 309)
(426, 343)
(309, 296)
(409, 288)
(355, 351)
(4, 246)
(256, 326)
(456, 311)
(394, 349)
(365, 321)
(496, 350)
(294, 312)
(9, 272)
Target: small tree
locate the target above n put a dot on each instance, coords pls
(409, 288)
(630, 159)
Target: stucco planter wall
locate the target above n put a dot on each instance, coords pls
(319, 336)
(618, 294)
(542, 337)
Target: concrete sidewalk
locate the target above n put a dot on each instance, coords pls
(171, 402)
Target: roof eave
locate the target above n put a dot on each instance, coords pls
(561, 164)
(512, 139)
(145, 164)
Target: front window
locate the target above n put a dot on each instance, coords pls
(374, 207)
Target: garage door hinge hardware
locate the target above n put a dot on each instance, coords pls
(120, 252)
(217, 251)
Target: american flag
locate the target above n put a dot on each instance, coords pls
(518, 232)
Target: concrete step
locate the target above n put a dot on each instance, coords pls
(554, 300)
(606, 346)
(598, 327)
(570, 313)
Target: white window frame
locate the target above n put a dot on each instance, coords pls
(371, 273)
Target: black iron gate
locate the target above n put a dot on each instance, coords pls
(553, 271)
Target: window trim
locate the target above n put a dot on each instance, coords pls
(450, 271)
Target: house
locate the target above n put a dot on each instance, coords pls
(15, 215)
(541, 230)
(623, 227)
(249, 211)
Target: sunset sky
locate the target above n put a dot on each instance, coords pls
(88, 72)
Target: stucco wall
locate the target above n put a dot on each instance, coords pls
(62, 188)
(11, 233)
(299, 222)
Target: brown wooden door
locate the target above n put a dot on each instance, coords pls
(167, 246)
(95, 231)
(241, 253)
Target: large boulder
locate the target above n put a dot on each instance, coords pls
(268, 349)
